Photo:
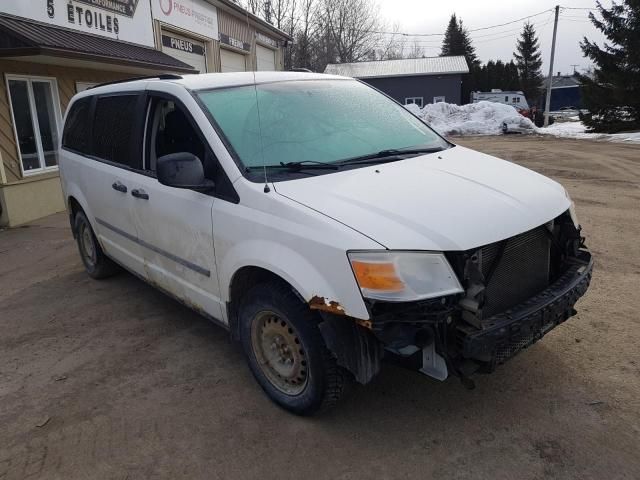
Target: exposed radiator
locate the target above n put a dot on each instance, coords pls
(521, 272)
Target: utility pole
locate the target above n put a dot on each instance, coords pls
(553, 52)
(574, 65)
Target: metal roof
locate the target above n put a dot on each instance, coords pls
(23, 37)
(400, 68)
(564, 81)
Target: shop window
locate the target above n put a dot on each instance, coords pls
(36, 115)
(113, 128)
(76, 129)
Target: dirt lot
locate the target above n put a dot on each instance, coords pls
(113, 380)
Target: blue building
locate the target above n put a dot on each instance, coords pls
(411, 80)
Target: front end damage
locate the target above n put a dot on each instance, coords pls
(515, 291)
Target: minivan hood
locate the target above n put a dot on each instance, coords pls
(456, 199)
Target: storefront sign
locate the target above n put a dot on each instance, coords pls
(195, 16)
(127, 20)
(262, 38)
(122, 7)
(234, 42)
(181, 44)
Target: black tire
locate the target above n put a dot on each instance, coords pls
(96, 263)
(324, 381)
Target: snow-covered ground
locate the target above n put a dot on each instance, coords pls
(487, 118)
(576, 129)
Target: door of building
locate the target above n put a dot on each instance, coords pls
(231, 61)
(187, 50)
(266, 58)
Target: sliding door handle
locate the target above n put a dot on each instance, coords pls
(139, 193)
(119, 187)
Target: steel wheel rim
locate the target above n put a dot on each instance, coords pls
(86, 245)
(279, 353)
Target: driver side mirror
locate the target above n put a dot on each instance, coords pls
(182, 170)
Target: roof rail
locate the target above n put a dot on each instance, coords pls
(162, 76)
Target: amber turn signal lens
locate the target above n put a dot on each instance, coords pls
(377, 276)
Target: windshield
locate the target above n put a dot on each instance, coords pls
(312, 121)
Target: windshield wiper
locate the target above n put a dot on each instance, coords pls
(297, 166)
(389, 155)
(306, 164)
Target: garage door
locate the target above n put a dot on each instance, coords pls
(266, 58)
(232, 61)
(186, 50)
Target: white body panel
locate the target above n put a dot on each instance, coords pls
(174, 229)
(302, 229)
(453, 200)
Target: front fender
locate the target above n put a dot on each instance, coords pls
(329, 286)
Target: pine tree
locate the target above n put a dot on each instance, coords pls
(529, 62)
(457, 42)
(612, 94)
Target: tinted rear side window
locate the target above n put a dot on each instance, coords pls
(113, 130)
(76, 130)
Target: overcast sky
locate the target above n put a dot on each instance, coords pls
(432, 16)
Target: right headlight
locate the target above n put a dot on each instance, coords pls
(403, 276)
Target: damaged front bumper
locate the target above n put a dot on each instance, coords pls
(504, 335)
(431, 336)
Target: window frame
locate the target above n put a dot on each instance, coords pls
(413, 101)
(91, 102)
(437, 98)
(138, 126)
(53, 84)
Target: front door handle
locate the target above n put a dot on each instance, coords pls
(119, 187)
(139, 193)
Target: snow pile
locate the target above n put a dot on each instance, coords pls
(482, 118)
(578, 130)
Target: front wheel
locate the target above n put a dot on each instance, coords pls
(286, 352)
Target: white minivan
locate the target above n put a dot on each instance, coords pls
(322, 224)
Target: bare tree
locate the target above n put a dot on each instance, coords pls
(391, 47)
(354, 28)
(254, 6)
(415, 51)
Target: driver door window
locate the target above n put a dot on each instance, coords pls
(172, 132)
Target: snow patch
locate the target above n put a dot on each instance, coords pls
(482, 118)
(577, 130)
(487, 118)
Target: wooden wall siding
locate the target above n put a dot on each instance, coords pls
(236, 28)
(66, 78)
(213, 57)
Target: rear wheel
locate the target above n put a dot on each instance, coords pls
(286, 352)
(96, 263)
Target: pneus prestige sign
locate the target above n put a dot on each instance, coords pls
(197, 16)
(127, 20)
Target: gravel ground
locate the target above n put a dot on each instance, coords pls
(114, 380)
